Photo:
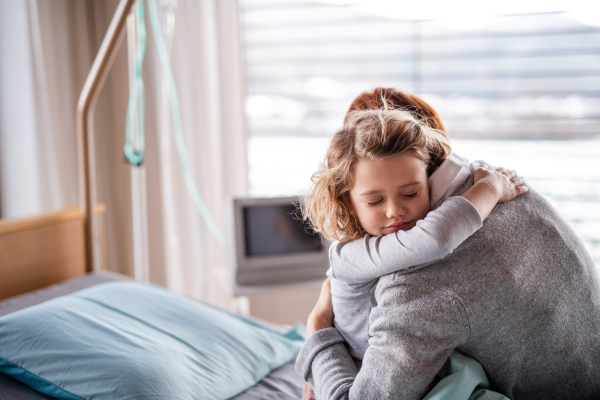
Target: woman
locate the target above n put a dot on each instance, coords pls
(520, 296)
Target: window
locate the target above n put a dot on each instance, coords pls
(519, 90)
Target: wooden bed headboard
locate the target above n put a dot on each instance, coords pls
(44, 249)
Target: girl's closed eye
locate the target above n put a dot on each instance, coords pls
(373, 203)
(410, 196)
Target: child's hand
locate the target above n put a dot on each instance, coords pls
(506, 182)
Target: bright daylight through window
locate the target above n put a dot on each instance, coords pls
(517, 84)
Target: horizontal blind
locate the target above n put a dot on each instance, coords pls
(530, 76)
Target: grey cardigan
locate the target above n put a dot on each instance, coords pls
(521, 296)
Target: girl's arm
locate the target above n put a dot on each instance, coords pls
(433, 238)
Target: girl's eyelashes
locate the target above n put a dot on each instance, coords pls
(408, 196)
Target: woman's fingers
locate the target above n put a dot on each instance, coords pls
(321, 316)
(308, 393)
(325, 296)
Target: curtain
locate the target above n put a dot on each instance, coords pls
(38, 151)
(56, 43)
(203, 46)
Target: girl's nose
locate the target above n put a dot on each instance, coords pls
(395, 210)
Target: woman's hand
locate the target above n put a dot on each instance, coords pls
(321, 316)
(308, 393)
(505, 182)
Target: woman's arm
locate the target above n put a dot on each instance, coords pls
(433, 238)
(413, 336)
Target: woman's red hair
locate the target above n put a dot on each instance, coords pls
(381, 98)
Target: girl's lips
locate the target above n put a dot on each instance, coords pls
(398, 225)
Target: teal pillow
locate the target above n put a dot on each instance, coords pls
(125, 340)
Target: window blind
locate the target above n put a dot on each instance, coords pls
(529, 76)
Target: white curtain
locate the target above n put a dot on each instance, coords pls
(37, 94)
(58, 41)
(204, 54)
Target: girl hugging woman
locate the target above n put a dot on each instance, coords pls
(415, 275)
(385, 184)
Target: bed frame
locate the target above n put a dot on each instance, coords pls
(45, 249)
(42, 250)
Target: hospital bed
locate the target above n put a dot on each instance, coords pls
(43, 258)
(282, 383)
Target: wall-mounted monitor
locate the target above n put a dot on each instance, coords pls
(271, 244)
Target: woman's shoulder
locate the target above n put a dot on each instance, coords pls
(450, 176)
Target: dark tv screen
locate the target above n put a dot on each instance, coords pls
(271, 230)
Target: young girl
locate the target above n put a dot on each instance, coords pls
(384, 173)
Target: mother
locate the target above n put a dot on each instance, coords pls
(521, 296)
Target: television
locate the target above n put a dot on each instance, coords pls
(271, 244)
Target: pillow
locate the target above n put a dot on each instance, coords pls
(126, 340)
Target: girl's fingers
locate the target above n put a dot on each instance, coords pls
(512, 173)
(518, 181)
(522, 189)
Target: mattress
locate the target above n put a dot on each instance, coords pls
(283, 383)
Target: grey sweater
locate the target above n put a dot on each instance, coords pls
(353, 283)
(521, 296)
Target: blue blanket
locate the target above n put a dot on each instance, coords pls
(462, 379)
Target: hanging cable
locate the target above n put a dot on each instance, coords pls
(135, 106)
(176, 116)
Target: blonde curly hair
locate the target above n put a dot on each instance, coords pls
(367, 134)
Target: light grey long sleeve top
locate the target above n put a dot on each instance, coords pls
(521, 296)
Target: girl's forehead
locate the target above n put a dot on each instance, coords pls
(388, 173)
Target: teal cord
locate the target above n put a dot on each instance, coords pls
(176, 115)
(136, 97)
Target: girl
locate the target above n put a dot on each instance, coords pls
(384, 172)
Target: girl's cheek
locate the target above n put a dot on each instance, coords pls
(365, 215)
(373, 216)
